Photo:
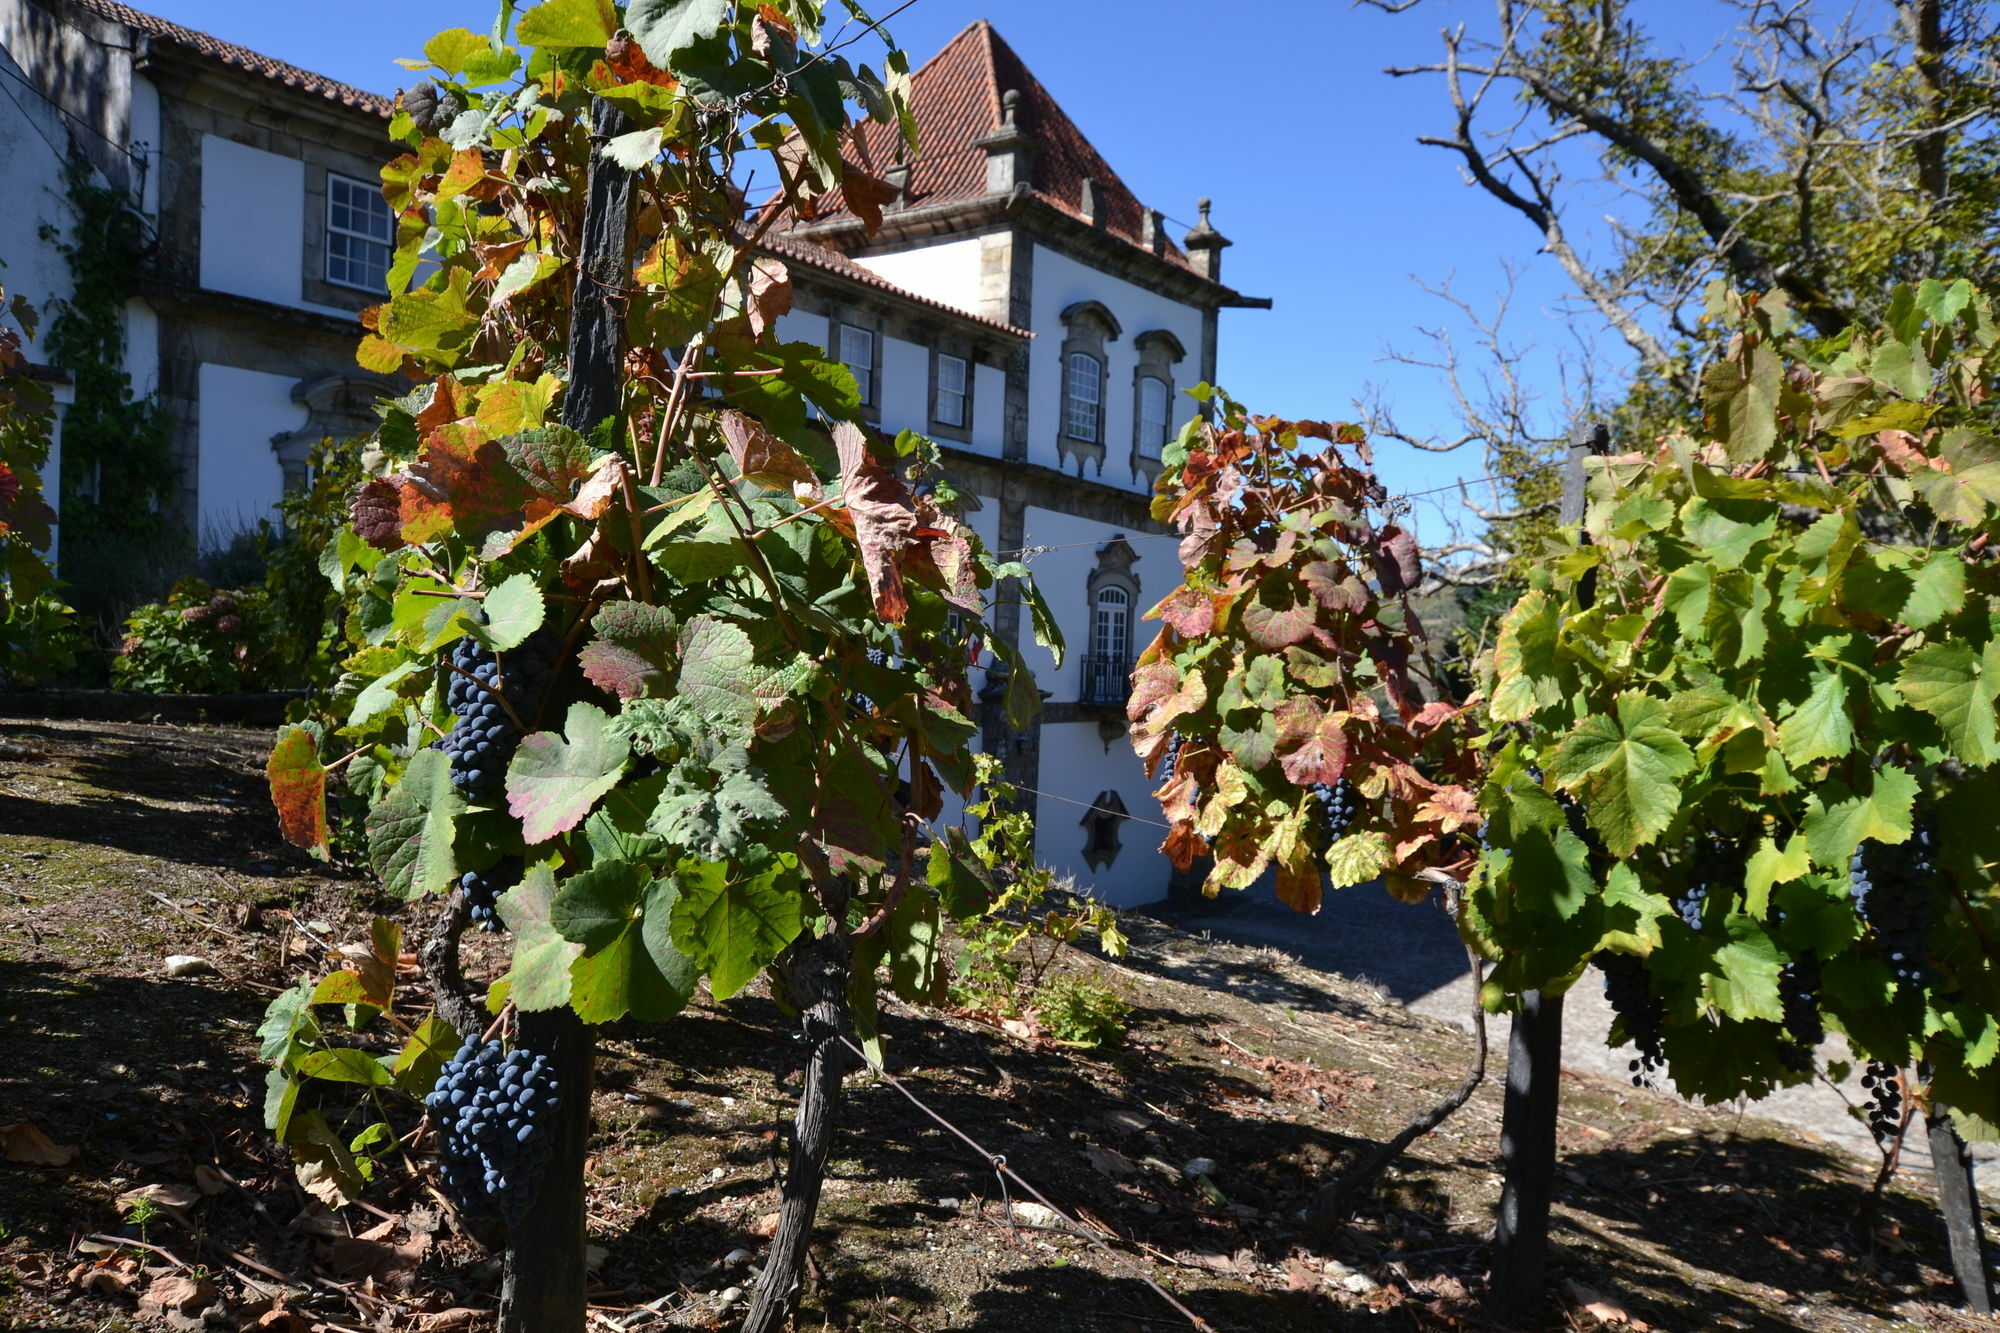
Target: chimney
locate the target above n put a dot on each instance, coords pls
(1204, 246)
(1009, 150)
(1153, 231)
(1089, 204)
(898, 179)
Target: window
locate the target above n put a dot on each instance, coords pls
(1111, 634)
(857, 353)
(360, 234)
(1154, 417)
(1082, 408)
(953, 391)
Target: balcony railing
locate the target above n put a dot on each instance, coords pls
(1106, 680)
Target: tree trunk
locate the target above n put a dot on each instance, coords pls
(1958, 1200)
(543, 1281)
(1528, 1160)
(818, 976)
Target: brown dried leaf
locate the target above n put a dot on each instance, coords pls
(377, 514)
(761, 456)
(885, 523)
(769, 294)
(867, 194)
(179, 1294)
(600, 488)
(28, 1146)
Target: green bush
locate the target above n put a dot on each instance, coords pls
(40, 639)
(1077, 1011)
(201, 640)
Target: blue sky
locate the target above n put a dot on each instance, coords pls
(1288, 123)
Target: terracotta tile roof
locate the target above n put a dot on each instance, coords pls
(239, 57)
(955, 98)
(795, 250)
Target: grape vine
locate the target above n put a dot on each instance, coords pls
(492, 1108)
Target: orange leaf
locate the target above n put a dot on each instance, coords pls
(761, 456)
(28, 1146)
(298, 789)
(461, 480)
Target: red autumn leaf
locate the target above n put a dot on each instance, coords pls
(1273, 619)
(632, 652)
(443, 407)
(551, 463)
(624, 58)
(867, 194)
(1150, 684)
(1299, 880)
(1320, 751)
(1397, 566)
(1183, 845)
(377, 515)
(761, 456)
(298, 789)
(462, 481)
(1335, 588)
(885, 524)
(1191, 612)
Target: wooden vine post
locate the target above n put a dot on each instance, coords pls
(1958, 1200)
(543, 1282)
(1534, 1070)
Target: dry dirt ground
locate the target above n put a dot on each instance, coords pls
(122, 843)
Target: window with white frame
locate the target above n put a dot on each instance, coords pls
(857, 353)
(360, 235)
(1111, 636)
(953, 390)
(1155, 417)
(1083, 408)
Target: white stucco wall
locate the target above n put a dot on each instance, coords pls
(252, 222)
(1060, 282)
(32, 144)
(1075, 765)
(947, 272)
(905, 391)
(989, 410)
(237, 473)
(796, 326)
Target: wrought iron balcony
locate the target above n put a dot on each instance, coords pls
(1106, 680)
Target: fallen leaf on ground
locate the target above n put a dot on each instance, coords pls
(1602, 1308)
(445, 1320)
(28, 1146)
(181, 1294)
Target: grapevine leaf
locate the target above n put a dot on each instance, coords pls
(539, 976)
(885, 525)
(1320, 741)
(1335, 587)
(1253, 738)
(514, 610)
(1937, 590)
(380, 694)
(555, 779)
(298, 789)
(915, 960)
(731, 923)
(1958, 688)
(377, 514)
(345, 1065)
(1769, 867)
(630, 655)
(1190, 611)
(665, 28)
(1745, 982)
(635, 150)
(1625, 767)
(409, 833)
(1524, 659)
(1725, 530)
(1819, 728)
(718, 823)
(715, 660)
(762, 457)
(1356, 859)
(629, 965)
(423, 1056)
(568, 23)
(1551, 865)
(512, 406)
(460, 483)
(1742, 403)
(1275, 619)
(1969, 493)
(1837, 821)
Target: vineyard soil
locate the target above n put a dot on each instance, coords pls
(122, 844)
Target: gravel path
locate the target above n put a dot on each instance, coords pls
(1414, 954)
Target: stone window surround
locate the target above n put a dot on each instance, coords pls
(1088, 325)
(839, 317)
(1115, 560)
(1159, 352)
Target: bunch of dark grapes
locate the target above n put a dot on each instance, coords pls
(482, 889)
(493, 1111)
(1885, 1100)
(484, 738)
(1630, 994)
(860, 702)
(1339, 803)
(1171, 757)
(1893, 887)
(1718, 864)
(1798, 992)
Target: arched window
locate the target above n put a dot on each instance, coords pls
(1083, 409)
(1107, 668)
(1154, 419)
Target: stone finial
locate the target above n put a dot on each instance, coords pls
(1205, 244)
(1153, 231)
(898, 179)
(1009, 150)
(1090, 201)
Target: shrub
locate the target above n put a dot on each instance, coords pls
(39, 639)
(201, 640)
(1080, 1012)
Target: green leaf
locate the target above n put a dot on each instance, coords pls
(1746, 983)
(409, 833)
(450, 49)
(1837, 821)
(1958, 688)
(732, 923)
(716, 659)
(1769, 867)
(423, 1056)
(1356, 859)
(1937, 590)
(1969, 493)
(381, 694)
(539, 977)
(345, 1065)
(556, 779)
(1742, 404)
(621, 916)
(514, 610)
(568, 23)
(633, 151)
(1725, 530)
(1524, 659)
(718, 823)
(665, 28)
(1625, 768)
(915, 959)
(1819, 728)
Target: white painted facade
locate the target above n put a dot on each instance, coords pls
(240, 480)
(253, 222)
(947, 272)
